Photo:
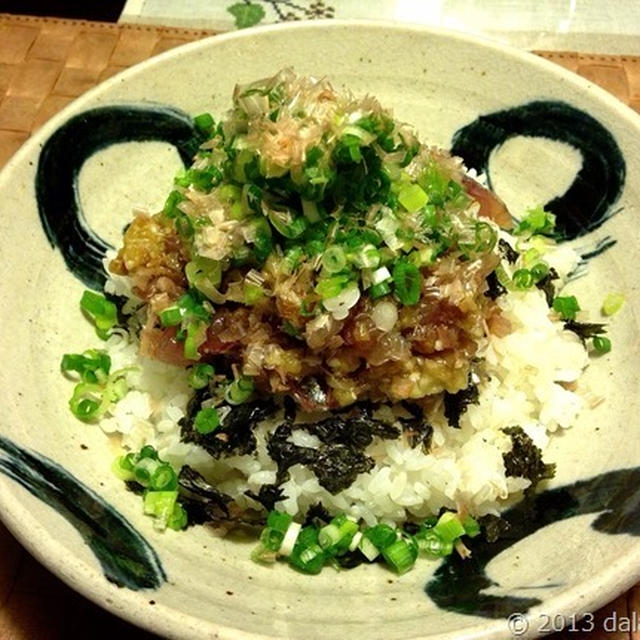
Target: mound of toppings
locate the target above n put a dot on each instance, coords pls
(320, 248)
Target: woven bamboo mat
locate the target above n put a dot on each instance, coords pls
(44, 64)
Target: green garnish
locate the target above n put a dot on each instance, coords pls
(536, 221)
(199, 375)
(566, 306)
(240, 390)
(601, 344)
(407, 282)
(612, 303)
(207, 420)
(102, 312)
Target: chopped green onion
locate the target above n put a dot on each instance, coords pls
(196, 335)
(336, 537)
(93, 365)
(144, 469)
(160, 505)
(334, 259)
(523, 279)
(539, 271)
(273, 534)
(87, 402)
(148, 451)
(206, 420)
(178, 519)
(101, 311)
(536, 221)
(368, 549)
(331, 287)
(612, 303)
(204, 122)
(199, 375)
(164, 478)
(407, 282)
(307, 554)
(292, 259)
(379, 290)
(239, 391)
(170, 208)
(471, 526)
(368, 257)
(413, 197)
(285, 222)
(566, 306)
(601, 344)
(205, 275)
(430, 543)
(380, 535)
(122, 467)
(171, 316)
(401, 555)
(449, 527)
(253, 293)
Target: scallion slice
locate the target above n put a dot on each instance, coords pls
(401, 555)
(239, 391)
(207, 420)
(407, 282)
(101, 311)
(200, 374)
(566, 306)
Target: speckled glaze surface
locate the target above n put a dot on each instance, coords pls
(581, 547)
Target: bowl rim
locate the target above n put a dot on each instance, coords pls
(25, 527)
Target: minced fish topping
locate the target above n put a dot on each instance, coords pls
(322, 249)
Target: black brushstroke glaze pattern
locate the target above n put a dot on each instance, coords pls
(597, 186)
(61, 160)
(126, 557)
(457, 584)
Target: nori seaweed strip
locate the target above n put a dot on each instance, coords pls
(202, 502)
(290, 408)
(317, 515)
(267, 495)
(455, 404)
(357, 432)
(525, 458)
(494, 527)
(494, 288)
(508, 252)
(335, 465)
(546, 285)
(349, 560)
(418, 430)
(585, 330)
(235, 434)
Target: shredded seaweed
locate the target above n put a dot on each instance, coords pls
(455, 404)
(417, 430)
(317, 515)
(267, 496)
(547, 287)
(335, 465)
(585, 330)
(235, 434)
(494, 287)
(494, 527)
(525, 458)
(202, 502)
(507, 251)
(357, 431)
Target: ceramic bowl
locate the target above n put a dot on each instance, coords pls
(540, 133)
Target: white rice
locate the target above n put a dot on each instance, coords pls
(526, 378)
